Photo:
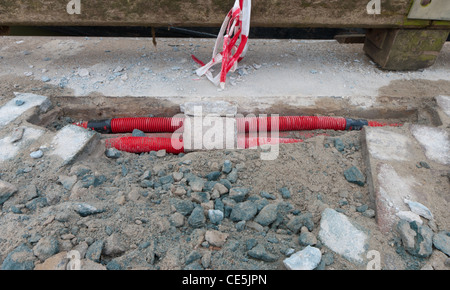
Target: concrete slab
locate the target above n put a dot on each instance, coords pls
(394, 173)
(444, 104)
(387, 145)
(11, 148)
(70, 142)
(21, 104)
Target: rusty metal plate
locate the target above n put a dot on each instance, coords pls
(430, 10)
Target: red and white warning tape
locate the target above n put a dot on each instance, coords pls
(234, 37)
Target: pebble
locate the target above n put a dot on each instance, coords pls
(416, 239)
(215, 216)
(137, 133)
(113, 153)
(19, 103)
(216, 238)
(21, 258)
(306, 259)
(197, 218)
(213, 176)
(183, 206)
(353, 175)
(6, 191)
(339, 145)
(243, 211)
(227, 166)
(441, 241)
(267, 195)
(84, 209)
(46, 247)
(45, 79)
(238, 194)
(161, 153)
(307, 238)
(94, 251)
(259, 252)
(36, 154)
(233, 175)
(285, 193)
(267, 215)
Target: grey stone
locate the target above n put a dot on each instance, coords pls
(113, 246)
(227, 166)
(306, 259)
(46, 247)
(238, 194)
(21, 258)
(285, 193)
(233, 175)
(168, 179)
(6, 191)
(339, 145)
(113, 153)
(45, 79)
(417, 240)
(267, 215)
(197, 218)
(267, 195)
(240, 226)
(441, 241)
(193, 256)
(307, 238)
(137, 133)
(215, 216)
(259, 252)
(183, 206)
(213, 176)
(243, 211)
(297, 222)
(197, 184)
(353, 175)
(84, 209)
(94, 251)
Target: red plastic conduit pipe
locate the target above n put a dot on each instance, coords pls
(147, 144)
(246, 124)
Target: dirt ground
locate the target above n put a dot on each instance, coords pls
(140, 223)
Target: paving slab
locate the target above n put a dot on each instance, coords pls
(21, 104)
(11, 148)
(70, 142)
(405, 164)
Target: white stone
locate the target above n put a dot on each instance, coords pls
(10, 111)
(306, 259)
(419, 209)
(341, 236)
(435, 141)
